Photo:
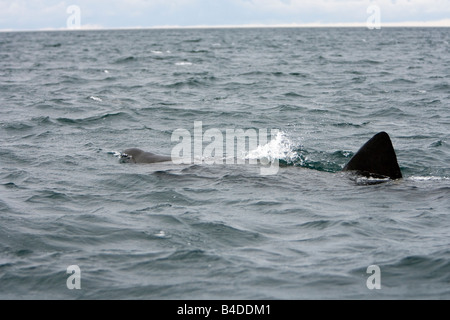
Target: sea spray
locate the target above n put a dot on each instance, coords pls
(280, 147)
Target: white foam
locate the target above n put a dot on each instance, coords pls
(279, 148)
(184, 63)
(156, 52)
(116, 153)
(161, 234)
(371, 180)
(429, 178)
(95, 98)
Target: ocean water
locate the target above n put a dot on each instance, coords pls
(70, 102)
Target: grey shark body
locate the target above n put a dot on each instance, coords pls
(135, 155)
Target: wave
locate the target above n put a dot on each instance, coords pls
(55, 45)
(49, 196)
(428, 178)
(193, 40)
(191, 82)
(292, 94)
(183, 63)
(94, 119)
(17, 126)
(388, 112)
(401, 81)
(445, 87)
(369, 61)
(27, 125)
(125, 60)
(95, 98)
(349, 124)
(223, 234)
(274, 74)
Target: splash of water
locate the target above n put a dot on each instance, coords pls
(280, 147)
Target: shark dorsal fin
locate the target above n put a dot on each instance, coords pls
(376, 158)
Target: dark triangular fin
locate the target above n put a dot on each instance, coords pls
(376, 159)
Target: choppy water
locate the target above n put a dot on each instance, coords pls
(70, 100)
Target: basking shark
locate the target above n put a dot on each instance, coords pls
(376, 159)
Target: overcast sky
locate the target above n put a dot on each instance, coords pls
(54, 14)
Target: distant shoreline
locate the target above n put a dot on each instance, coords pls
(429, 24)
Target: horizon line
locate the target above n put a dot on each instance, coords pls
(406, 24)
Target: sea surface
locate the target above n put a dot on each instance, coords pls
(72, 101)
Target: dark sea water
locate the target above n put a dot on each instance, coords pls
(70, 102)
